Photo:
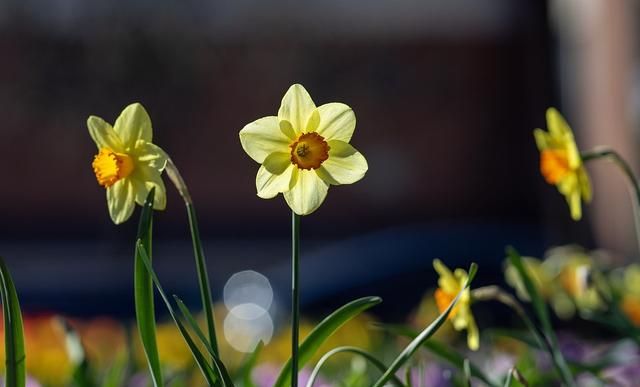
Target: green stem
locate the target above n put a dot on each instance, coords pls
(496, 294)
(613, 156)
(198, 252)
(295, 295)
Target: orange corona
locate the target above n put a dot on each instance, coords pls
(309, 151)
(110, 166)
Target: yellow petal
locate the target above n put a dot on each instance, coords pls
(144, 179)
(269, 185)
(345, 164)
(337, 122)
(313, 122)
(585, 185)
(277, 162)
(307, 194)
(556, 124)
(103, 134)
(133, 124)
(121, 200)
(473, 335)
(263, 137)
(297, 106)
(287, 129)
(151, 155)
(542, 139)
(573, 199)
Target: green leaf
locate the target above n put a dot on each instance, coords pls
(15, 356)
(542, 314)
(215, 376)
(323, 331)
(346, 349)
(116, 374)
(413, 346)
(203, 278)
(244, 372)
(143, 294)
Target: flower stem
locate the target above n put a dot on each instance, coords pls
(201, 265)
(488, 293)
(613, 156)
(295, 295)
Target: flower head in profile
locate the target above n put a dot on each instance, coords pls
(303, 150)
(128, 165)
(561, 164)
(449, 285)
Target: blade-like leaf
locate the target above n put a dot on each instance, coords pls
(410, 349)
(215, 376)
(15, 356)
(444, 352)
(203, 278)
(143, 294)
(323, 331)
(244, 372)
(542, 314)
(346, 349)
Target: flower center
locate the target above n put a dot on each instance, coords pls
(309, 151)
(554, 165)
(110, 167)
(443, 299)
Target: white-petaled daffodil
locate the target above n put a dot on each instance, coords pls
(303, 150)
(128, 164)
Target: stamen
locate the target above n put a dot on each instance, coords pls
(110, 167)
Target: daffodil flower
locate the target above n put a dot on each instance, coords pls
(128, 164)
(449, 285)
(303, 150)
(561, 164)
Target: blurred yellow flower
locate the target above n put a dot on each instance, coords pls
(128, 164)
(538, 275)
(561, 164)
(449, 285)
(303, 150)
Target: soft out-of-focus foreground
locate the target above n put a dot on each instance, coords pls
(446, 95)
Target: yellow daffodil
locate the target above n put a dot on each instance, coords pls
(449, 285)
(128, 164)
(561, 164)
(303, 150)
(536, 271)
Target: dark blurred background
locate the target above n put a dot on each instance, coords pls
(446, 94)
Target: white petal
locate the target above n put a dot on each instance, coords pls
(263, 137)
(296, 107)
(269, 185)
(121, 201)
(133, 124)
(307, 194)
(103, 134)
(337, 122)
(345, 164)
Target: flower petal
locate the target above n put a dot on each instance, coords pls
(557, 125)
(313, 122)
(296, 107)
(277, 162)
(269, 185)
(345, 164)
(287, 129)
(103, 134)
(151, 155)
(263, 137)
(337, 122)
(542, 139)
(144, 178)
(133, 124)
(121, 201)
(307, 194)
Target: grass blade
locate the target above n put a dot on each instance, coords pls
(410, 349)
(143, 293)
(372, 359)
(244, 372)
(16, 374)
(216, 376)
(203, 278)
(322, 331)
(542, 314)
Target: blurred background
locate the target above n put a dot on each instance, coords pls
(446, 93)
